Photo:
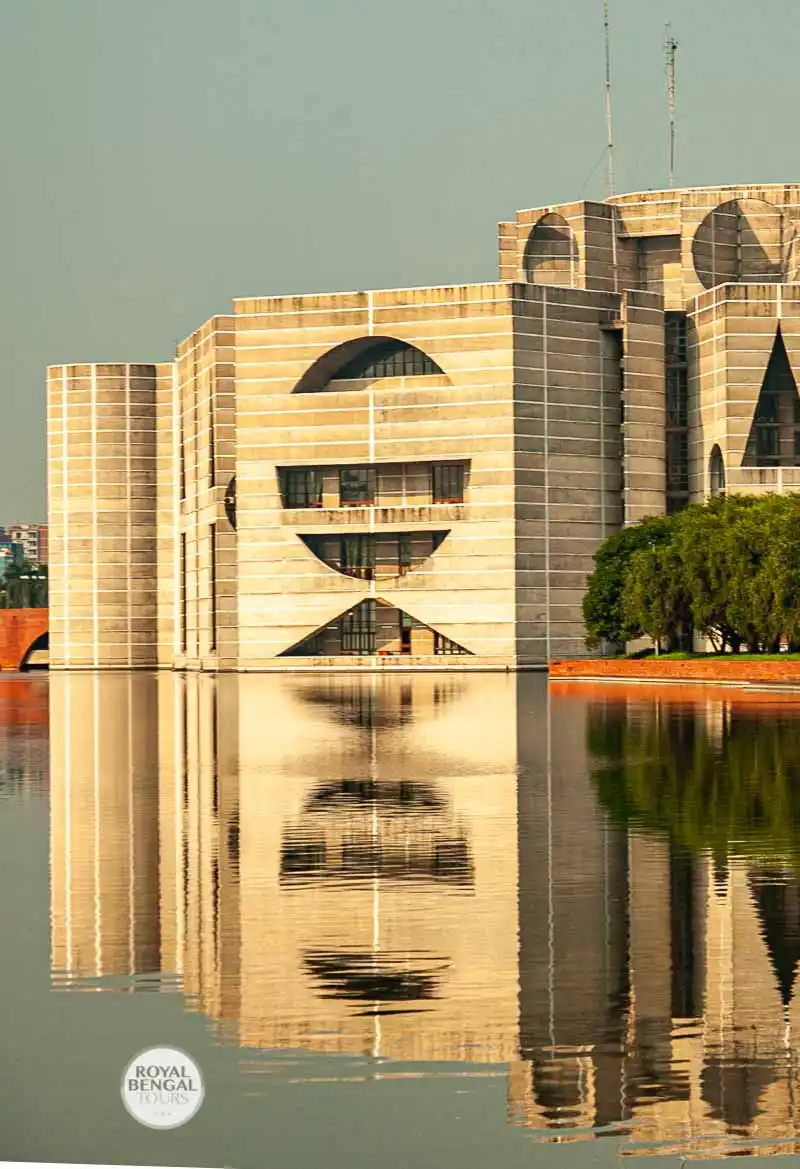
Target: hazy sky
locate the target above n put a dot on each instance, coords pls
(163, 156)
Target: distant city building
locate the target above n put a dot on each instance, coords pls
(421, 477)
(32, 538)
(8, 553)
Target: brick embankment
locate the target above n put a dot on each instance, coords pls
(726, 671)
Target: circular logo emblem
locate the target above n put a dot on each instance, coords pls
(162, 1087)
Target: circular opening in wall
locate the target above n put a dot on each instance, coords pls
(230, 502)
(741, 240)
(551, 254)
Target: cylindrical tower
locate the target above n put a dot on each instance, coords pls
(102, 452)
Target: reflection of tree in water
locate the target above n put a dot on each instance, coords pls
(358, 703)
(729, 789)
(731, 793)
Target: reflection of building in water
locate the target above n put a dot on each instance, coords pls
(572, 931)
(23, 736)
(424, 872)
(698, 1055)
(336, 856)
(104, 826)
(377, 855)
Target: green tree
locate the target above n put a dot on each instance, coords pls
(655, 596)
(771, 600)
(730, 568)
(603, 605)
(715, 562)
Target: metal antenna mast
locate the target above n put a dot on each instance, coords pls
(609, 128)
(670, 49)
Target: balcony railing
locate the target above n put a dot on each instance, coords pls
(400, 515)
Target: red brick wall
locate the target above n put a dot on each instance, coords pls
(19, 628)
(728, 669)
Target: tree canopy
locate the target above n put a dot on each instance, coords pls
(729, 568)
(604, 603)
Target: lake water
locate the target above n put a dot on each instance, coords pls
(448, 920)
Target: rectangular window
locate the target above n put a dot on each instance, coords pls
(182, 458)
(357, 486)
(303, 487)
(675, 338)
(447, 483)
(404, 554)
(677, 502)
(768, 408)
(677, 398)
(443, 645)
(211, 440)
(358, 629)
(212, 601)
(215, 751)
(182, 599)
(677, 462)
(357, 556)
(406, 625)
(197, 613)
(768, 447)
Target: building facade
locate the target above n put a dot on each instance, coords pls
(31, 538)
(420, 477)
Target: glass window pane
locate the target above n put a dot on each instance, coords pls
(447, 483)
(767, 408)
(388, 359)
(357, 486)
(677, 398)
(303, 487)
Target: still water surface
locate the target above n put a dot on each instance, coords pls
(439, 921)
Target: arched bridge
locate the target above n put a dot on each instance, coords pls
(23, 633)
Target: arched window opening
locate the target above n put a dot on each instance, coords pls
(716, 472)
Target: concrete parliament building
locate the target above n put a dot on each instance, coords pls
(420, 477)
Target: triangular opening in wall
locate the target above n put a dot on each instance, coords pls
(375, 628)
(774, 438)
